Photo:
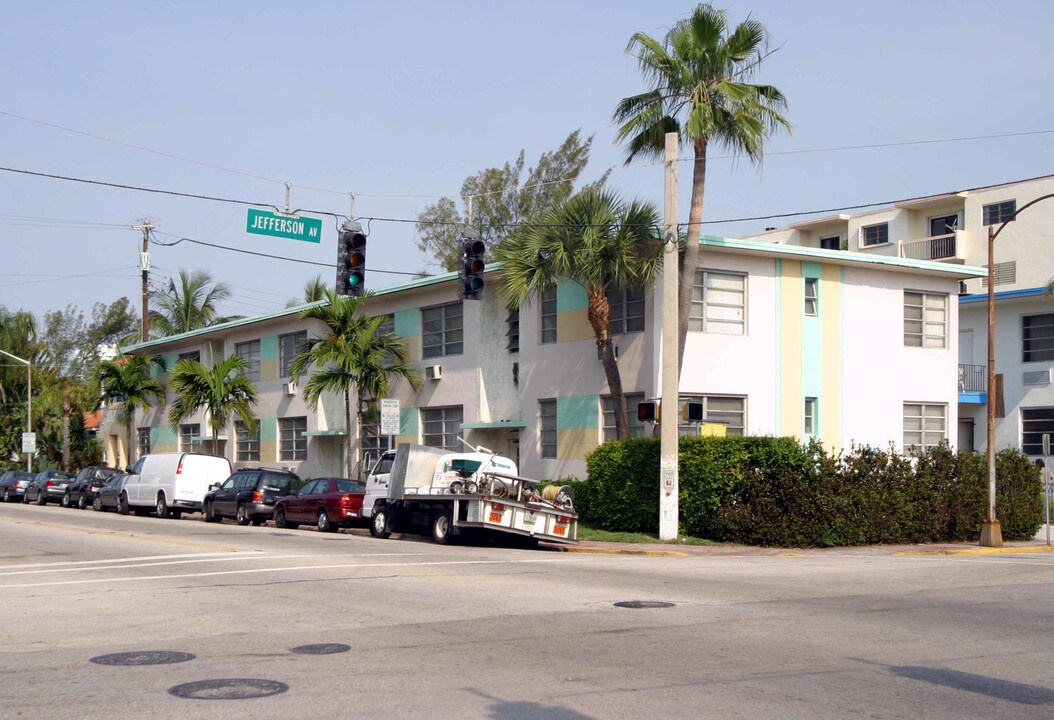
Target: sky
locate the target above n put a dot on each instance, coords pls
(399, 102)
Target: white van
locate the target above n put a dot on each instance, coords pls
(171, 483)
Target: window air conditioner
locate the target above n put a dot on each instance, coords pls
(289, 388)
(433, 372)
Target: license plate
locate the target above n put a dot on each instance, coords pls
(494, 517)
(559, 529)
(529, 518)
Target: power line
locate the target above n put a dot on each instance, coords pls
(99, 273)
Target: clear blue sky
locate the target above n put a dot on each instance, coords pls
(400, 101)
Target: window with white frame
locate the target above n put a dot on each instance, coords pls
(728, 409)
(925, 425)
(1035, 423)
(1037, 337)
(925, 319)
(812, 297)
(250, 353)
(440, 427)
(142, 441)
(548, 316)
(627, 310)
(442, 330)
(809, 424)
(607, 410)
(999, 212)
(288, 347)
(190, 437)
(292, 442)
(247, 441)
(874, 234)
(719, 303)
(547, 428)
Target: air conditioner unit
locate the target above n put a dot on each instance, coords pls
(289, 388)
(433, 372)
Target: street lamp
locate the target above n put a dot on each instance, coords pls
(29, 401)
(991, 535)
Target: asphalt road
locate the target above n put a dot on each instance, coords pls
(485, 632)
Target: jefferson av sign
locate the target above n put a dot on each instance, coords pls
(293, 227)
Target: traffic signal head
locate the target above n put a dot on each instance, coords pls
(647, 411)
(351, 260)
(470, 276)
(692, 412)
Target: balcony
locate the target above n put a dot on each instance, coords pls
(973, 384)
(948, 247)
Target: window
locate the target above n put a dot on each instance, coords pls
(190, 437)
(513, 333)
(194, 355)
(716, 408)
(292, 445)
(925, 319)
(248, 442)
(387, 325)
(441, 427)
(627, 311)
(142, 441)
(442, 330)
(925, 425)
(812, 299)
(372, 441)
(607, 409)
(250, 353)
(998, 212)
(809, 424)
(875, 234)
(548, 316)
(547, 427)
(831, 243)
(718, 303)
(288, 346)
(1037, 337)
(1035, 422)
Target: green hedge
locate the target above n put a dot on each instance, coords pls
(777, 492)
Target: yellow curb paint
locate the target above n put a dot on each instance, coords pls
(982, 551)
(790, 554)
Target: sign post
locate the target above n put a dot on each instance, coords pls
(292, 227)
(1046, 482)
(389, 418)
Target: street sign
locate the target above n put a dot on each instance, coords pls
(29, 442)
(389, 416)
(293, 227)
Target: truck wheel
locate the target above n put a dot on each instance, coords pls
(162, 507)
(122, 504)
(379, 526)
(441, 528)
(210, 516)
(242, 515)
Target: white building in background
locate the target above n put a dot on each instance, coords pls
(952, 228)
(785, 339)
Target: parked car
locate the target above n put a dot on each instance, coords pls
(108, 497)
(48, 485)
(249, 495)
(81, 491)
(328, 503)
(172, 483)
(13, 484)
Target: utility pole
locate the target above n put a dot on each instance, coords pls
(668, 380)
(146, 225)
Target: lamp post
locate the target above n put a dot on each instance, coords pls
(991, 535)
(29, 401)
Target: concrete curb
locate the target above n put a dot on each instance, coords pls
(615, 551)
(983, 551)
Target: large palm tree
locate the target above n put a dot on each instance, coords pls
(699, 77)
(127, 381)
(350, 353)
(314, 290)
(598, 241)
(191, 304)
(223, 392)
(65, 396)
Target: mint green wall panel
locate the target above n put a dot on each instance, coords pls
(409, 419)
(269, 348)
(570, 296)
(269, 429)
(408, 323)
(579, 412)
(163, 435)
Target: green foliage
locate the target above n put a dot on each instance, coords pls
(191, 305)
(222, 392)
(775, 492)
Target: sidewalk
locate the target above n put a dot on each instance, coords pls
(1036, 544)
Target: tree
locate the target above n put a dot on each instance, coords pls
(127, 382)
(74, 346)
(223, 392)
(190, 305)
(698, 76)
(314, 290)
(598, 241)
(350, 353)
(499, 200)
(65, 396)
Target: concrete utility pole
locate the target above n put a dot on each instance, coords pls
(668, 396)
(146, 225)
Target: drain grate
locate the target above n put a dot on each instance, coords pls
(321, 649)
(143, 657)
(228, 689)
(638, 604)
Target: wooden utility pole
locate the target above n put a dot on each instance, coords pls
(146, 225)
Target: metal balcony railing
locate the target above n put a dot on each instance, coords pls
(973, 378)
(939, 247)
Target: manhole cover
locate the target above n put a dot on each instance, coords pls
(321, 649)
(638, 604)
(143, 657)
(228, 689)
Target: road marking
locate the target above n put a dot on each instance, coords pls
(117, 533)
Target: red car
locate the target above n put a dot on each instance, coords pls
(327, 503)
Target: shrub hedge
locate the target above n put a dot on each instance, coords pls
(777, 492)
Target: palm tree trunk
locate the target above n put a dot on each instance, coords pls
(350, 436)
(599, 312)
(66, 410)
(691, 249)
(128, 450)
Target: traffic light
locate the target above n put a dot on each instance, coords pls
(647, 411)
(470, 277)
(692, 412)
(351, 260)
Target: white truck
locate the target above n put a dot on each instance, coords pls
(446, 493)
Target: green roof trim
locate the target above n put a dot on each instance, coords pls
(494, 425)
